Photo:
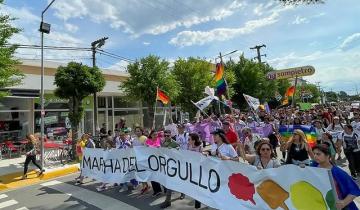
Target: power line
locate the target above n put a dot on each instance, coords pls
(103, 52)
(47, 47)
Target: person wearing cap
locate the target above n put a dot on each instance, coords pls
(336, 125)
(182, 138)
(230, 134)
(222, 148)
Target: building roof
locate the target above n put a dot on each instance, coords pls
(55, 65)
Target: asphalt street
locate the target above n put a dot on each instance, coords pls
(61, 193)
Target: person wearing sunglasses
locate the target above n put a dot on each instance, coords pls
(264, 157)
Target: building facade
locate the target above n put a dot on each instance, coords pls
(20, 111)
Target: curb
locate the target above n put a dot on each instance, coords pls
(13, 180)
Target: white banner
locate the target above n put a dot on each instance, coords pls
(214, 182)
(253, 102)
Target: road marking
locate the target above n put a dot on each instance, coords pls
(8, 203)
(3, 196)
(93, 198)
(51, 183)
(22, 208)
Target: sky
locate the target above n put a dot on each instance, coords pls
(325, 36)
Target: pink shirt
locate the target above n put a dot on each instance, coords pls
(150, 143)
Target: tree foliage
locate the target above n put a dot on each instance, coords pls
(192, 75)
(145, 76)
(309, 90)
(250, 79)
(331, 96)
(9, 74)
(75, 82)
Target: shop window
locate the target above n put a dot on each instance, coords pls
(56, 123)
(120, 102)
(101, 102)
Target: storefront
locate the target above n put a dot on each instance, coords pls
(20, 114)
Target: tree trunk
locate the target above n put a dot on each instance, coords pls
(74, 113)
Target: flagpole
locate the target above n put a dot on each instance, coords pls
(293, 97)
(157, 90)
(199, 109)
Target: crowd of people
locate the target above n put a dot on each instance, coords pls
(233, 139)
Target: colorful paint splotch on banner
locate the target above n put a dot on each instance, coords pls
(286, 131)
(305, 196)
(276, 198)
(241, 187)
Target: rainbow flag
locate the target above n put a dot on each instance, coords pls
(290, 91)
(161, 96)
(286, 131)
(220, 80)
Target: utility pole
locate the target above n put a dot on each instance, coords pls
(321, 96)
(258, 47)
(96, 45)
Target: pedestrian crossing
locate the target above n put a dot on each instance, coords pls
(9, 203)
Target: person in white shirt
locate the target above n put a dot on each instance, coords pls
(356, 125)
(172, 127)
(336, 125)
(250, 140)
(223, 149)
(319, 128)
(182, 138)
(350, 141)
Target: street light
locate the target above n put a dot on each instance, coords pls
(44, 28)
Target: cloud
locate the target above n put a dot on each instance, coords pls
(189, 38)
(71, 28)
(299, 20)
(138, 17)
(350, 42)
(146, 43)
(22, 14)
(119, 66)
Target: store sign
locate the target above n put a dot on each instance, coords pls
(291, 73)
(52, 99)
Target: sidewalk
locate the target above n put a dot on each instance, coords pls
(11, 171)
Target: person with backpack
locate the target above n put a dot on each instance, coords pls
(350, 141)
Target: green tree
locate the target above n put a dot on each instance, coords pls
(250, 79)
(343, 96)
(9, 74)
(193, 75)
(311, 93)
(331, 96)
(75, 82)
(145, 76)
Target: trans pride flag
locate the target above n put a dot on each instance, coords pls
(286, 131)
